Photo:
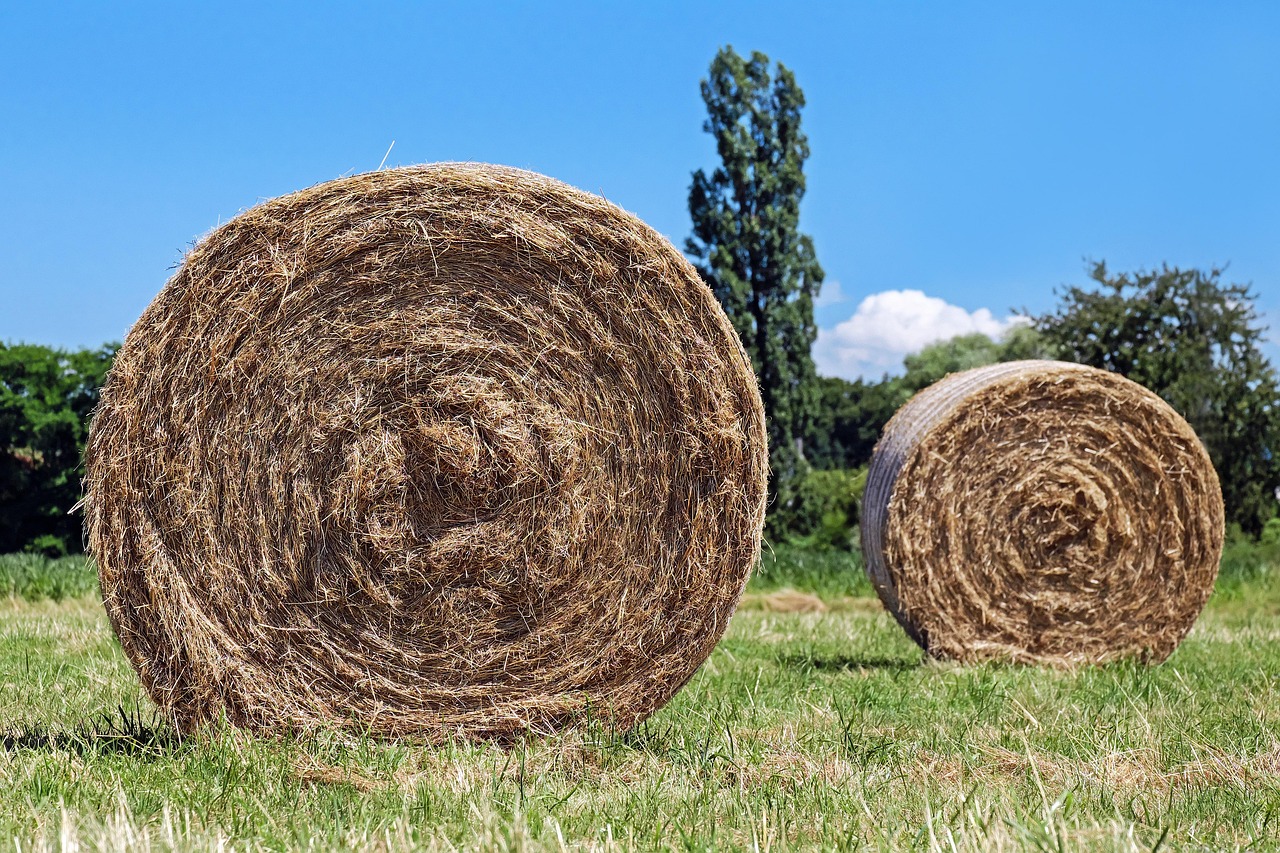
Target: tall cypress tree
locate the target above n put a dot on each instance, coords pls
(748, 247)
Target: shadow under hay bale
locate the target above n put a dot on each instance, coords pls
(453, 450)
(1043, 512)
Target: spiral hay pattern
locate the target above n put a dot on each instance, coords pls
(446, 451)
(1042, 512)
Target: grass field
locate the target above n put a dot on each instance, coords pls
(815, 723)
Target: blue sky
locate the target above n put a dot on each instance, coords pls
(967, 157)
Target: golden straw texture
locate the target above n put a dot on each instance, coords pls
(453, 450)
(1042, 511)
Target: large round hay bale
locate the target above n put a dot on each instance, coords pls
(454, 450)
(1042, 511)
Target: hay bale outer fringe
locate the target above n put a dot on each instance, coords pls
(453, 450)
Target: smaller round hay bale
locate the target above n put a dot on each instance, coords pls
(1041, 511)
(444, 451)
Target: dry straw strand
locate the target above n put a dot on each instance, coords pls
(1041, 511)
(444, 451)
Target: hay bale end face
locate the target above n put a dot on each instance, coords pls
(443, 451)
(1045, 512)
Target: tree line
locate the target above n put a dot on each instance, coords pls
(46, 398)
(1187, 334)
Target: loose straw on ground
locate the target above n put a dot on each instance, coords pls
(444, 451)
(1042, 512)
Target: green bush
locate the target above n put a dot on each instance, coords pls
(33, 577)
(46, 398)
(824, 510)
(1271, 532)
(1247, 566)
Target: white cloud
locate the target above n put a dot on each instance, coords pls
(889, 325)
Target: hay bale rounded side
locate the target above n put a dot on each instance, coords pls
(453, 450)
(1042, 511)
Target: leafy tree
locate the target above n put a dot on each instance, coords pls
(850, 417)
(46, 398)
(1195, 341)
(748, 247)
(950, 356)
(964, 352)
(826, 509)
